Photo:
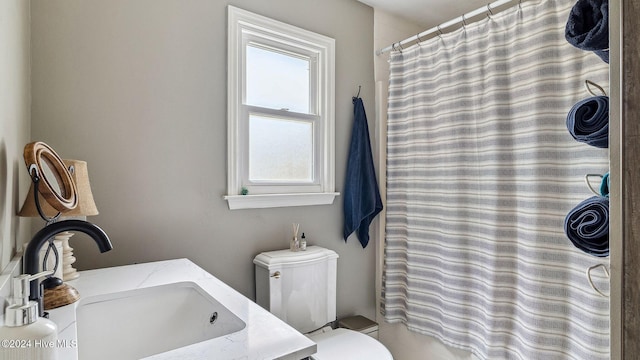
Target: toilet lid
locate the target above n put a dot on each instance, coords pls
(347, 344)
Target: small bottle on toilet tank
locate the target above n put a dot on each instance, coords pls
(303, 243)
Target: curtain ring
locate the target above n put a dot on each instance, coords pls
(418, 38)
(439, 31)
(490, 11)
(464, 22)
(520, 5)
(606, 272)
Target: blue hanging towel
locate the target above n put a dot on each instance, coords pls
(362, 200)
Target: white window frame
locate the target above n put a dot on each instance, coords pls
(246, 28)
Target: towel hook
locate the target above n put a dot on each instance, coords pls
(586, 179)
(588, 84)
(359, 88)
(606, 272)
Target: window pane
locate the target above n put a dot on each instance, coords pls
(280, 149)
(276, 80)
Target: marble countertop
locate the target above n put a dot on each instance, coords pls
(264, 336)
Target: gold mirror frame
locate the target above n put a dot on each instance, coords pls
(61, 195)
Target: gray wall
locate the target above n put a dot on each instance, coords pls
(14, 123)
(138, 90)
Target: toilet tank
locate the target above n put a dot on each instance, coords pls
(298, 287)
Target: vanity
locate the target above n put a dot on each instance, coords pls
(181, 303)
(169, 309)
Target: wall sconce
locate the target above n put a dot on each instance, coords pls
(86, 207)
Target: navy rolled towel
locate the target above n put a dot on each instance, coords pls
(588, 27)
(587, 226)
(588, 121)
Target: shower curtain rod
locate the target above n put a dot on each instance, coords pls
(488, 9)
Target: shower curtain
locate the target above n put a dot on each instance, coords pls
(481, 172)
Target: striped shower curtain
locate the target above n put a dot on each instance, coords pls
(481, 172)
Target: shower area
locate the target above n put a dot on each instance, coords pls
(493, 137)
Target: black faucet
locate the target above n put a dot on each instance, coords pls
(32, 253)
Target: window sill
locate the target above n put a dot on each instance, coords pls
(279, 200)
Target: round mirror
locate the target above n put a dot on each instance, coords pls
(49, 173)
(55, 182)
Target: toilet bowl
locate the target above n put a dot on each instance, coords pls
(300, 289)
(348, 344)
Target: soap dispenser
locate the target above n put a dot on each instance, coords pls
(25, 335)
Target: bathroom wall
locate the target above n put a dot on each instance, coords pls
(15, 116)
(403, 344)
(138, 90)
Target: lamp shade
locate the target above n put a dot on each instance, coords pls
(86, 204)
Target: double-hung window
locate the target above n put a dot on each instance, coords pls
(281, 84)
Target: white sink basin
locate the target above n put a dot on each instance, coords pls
(139, 323)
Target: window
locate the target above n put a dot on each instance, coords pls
(280, 114)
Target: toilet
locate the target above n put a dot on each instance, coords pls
(300, 289)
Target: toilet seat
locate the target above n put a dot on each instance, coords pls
(344, 344)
